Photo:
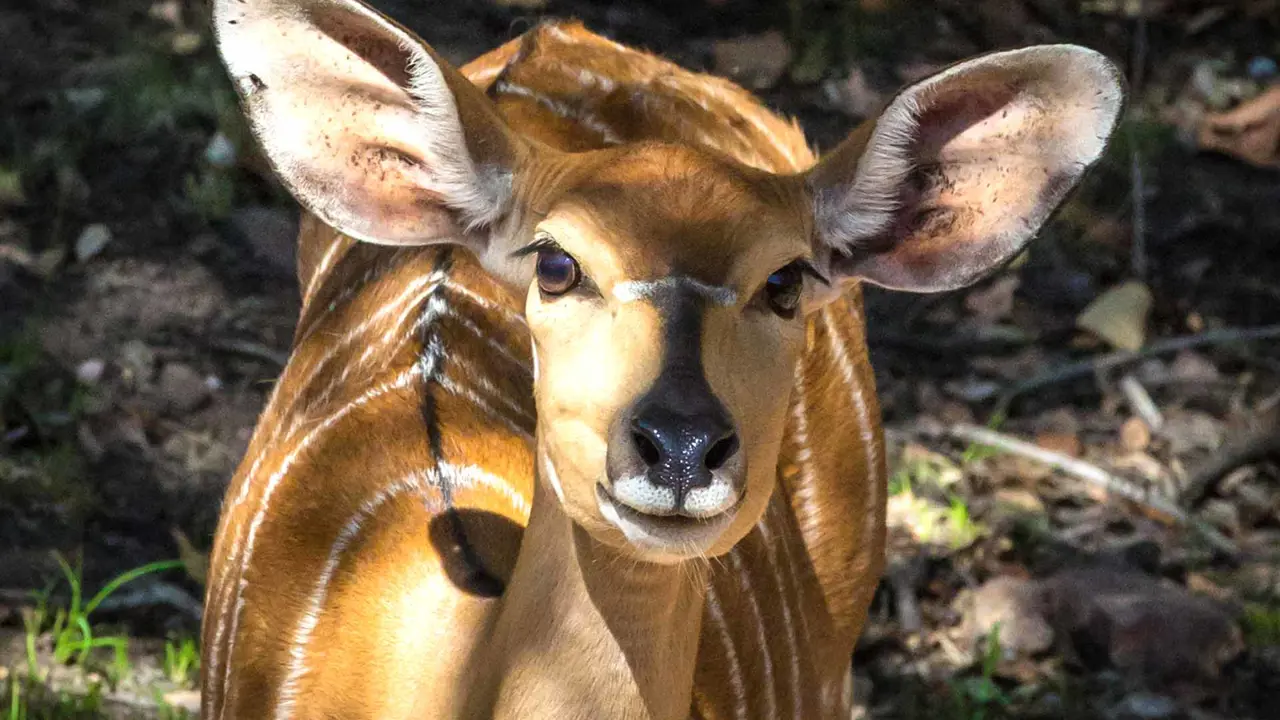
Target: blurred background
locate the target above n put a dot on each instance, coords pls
(1085, 515)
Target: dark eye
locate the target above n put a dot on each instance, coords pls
(557, 271)
(782, 290)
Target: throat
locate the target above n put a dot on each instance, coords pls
(587, 631)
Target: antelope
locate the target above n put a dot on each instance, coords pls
(579, 420)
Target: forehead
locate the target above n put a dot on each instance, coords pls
(666, 210)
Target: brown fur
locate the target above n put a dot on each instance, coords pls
(826, 524)
(386, 496)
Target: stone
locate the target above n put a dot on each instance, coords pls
(1156, 631)
(1017, 606)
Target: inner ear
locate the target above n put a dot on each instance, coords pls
(366, 125)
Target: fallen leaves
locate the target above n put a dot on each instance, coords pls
(1119, 315)
(1249, 132)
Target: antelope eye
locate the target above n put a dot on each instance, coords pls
(782, 290)
(557, 271)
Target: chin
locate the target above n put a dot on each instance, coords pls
(667, 539)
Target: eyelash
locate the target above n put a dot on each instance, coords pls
(541, 241)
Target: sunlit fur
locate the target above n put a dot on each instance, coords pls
(654, 214)
(368, 316)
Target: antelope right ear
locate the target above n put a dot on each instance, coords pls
(366, 125)
(961, 169)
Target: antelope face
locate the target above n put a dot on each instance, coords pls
(665, 308)
(665, 287)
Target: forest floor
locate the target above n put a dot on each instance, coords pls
(1084, 510)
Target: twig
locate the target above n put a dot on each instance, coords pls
(253, 350)
(1091, 474)
(1141, 402)
(1120, 358)
(1138, 250)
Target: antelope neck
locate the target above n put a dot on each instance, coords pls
(618, 637)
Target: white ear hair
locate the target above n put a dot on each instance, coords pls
(867, 207)
(479, 194)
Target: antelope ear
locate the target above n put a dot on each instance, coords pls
(365, 124)
(963, 168)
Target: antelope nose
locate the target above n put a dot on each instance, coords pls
(682, 450)
(676, 453)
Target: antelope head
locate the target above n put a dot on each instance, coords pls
(666, 287)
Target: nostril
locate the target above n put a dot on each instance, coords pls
(721, 451)
(646, 447)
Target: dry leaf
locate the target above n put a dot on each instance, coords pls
(1066, 443)
(196, 562)
(1250, 132)
(1119, 315)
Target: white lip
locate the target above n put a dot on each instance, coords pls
(639, 494)
(667, 538)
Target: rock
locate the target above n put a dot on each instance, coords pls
(91, 241)
(181, 388)
(1017, 606)
(756, 61)
(1158, 632)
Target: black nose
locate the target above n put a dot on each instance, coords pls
(681, 447)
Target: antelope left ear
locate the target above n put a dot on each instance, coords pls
(963, 168)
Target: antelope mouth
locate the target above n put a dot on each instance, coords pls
(675, 534)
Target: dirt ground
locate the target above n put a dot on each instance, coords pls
(147, 301)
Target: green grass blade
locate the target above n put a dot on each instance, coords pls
(127, 577)
(15, 698)
(73, 579)
(86, 640)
